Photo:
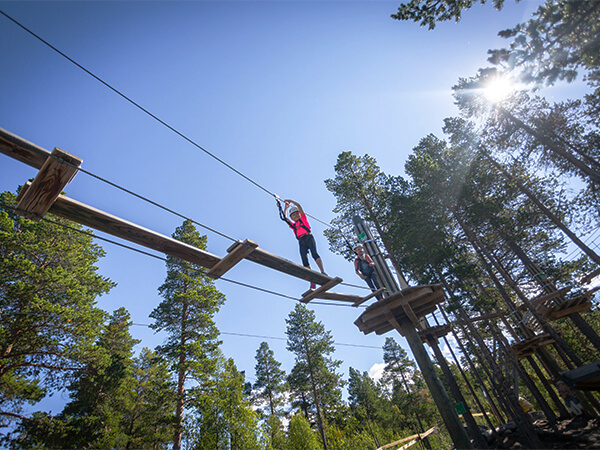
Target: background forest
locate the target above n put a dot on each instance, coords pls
(501, 210)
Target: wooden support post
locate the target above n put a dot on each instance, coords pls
(438, 393)
(409, 312)
(56, 172)
(309, 295)
(236, 253)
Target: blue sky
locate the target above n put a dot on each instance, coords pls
(277, 89)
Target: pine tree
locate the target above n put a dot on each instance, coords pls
(95, 412)
(364, 397)
(49, 321)
(270, 379)
(221, 415)
(312, 345)
(149, 412)
(95, 416)
(186, 316)
(300, 435)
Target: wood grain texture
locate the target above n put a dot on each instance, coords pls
(102, 221)
(56, 172)
(22, 150)
(235, 254)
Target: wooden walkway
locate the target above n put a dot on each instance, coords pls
(58, 168)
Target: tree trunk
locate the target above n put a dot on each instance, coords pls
(521, 419)
(180, 382)
(313, 382)
(551, 145)
(588, 251)
(560, 343)
(474, 431)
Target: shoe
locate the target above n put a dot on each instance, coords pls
(313, 286)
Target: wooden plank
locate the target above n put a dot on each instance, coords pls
(308, 296)
(394, 300)
(416, 437)
(102, 221)
(555, 315)
(372, 319)
(235, 254)
(368, 297)
(22, 150)
(264, 258)
(58, 170)
(338, 296)
(590, 276)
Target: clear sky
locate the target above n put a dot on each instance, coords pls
(277, 89)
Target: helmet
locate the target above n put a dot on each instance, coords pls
(293, 209)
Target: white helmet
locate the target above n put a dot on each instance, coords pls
(293, 209)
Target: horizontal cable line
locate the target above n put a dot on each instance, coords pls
(152, 202)
(273, 337)
(355, 286)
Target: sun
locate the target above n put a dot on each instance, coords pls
(498, 89)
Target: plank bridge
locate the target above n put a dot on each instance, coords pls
(57, 168)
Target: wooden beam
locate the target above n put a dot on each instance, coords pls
(315, 292)
(264, 258)
(102, 221)
(368, 297)
(22, 150)
(409, 312)
(235, 254)
(336, 296)
(546, 297)
(58, 170)
(590, 276)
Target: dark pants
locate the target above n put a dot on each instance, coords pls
(307, 242)
(373, 283)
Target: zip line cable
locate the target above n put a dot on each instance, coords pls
(276, 338)
(137, 105)
(141, 197)
(146, 111)
(173, 130)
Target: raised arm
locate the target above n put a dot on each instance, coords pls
(300, 210)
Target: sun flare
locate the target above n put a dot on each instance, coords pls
(498, 89)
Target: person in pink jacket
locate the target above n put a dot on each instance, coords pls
(299, 224)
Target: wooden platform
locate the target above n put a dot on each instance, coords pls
(554, 306)
(264, 258)
(410, 304)
(584, 378)
(529, 346)
(433, 334)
